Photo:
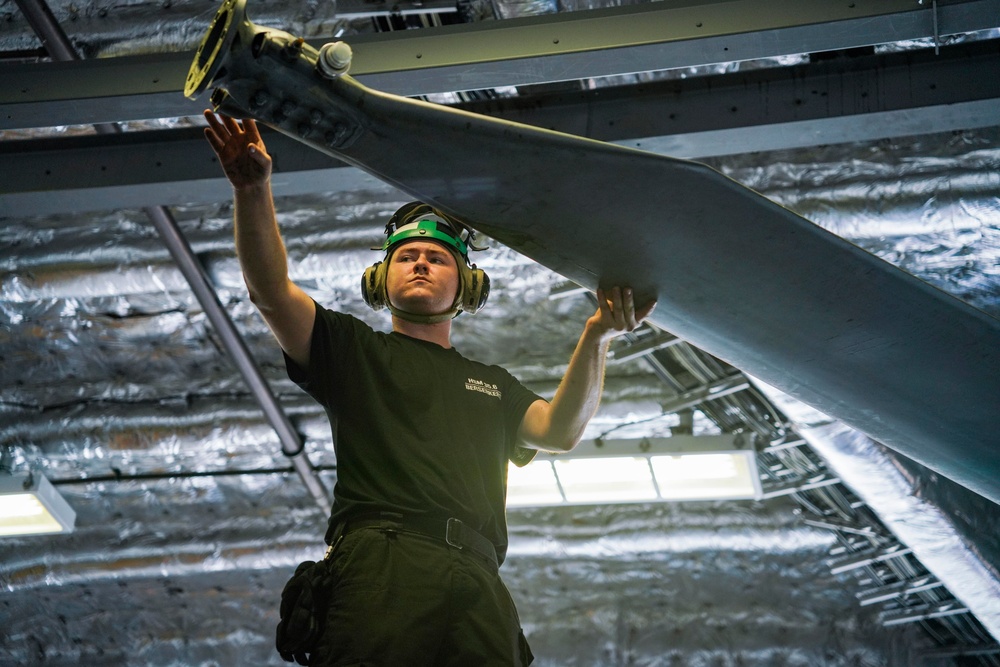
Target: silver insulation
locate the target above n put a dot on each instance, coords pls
(109, 371)
(930, 205)
(871, 471)
(101, 30)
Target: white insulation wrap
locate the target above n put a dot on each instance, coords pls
(868, 468)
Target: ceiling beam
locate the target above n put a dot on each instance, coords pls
(132, 170)
(840, 100)
(492, 54)
(836, 100)
(352, 10)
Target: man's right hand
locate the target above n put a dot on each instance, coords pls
(240, 150)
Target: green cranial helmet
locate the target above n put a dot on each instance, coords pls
(417, 220)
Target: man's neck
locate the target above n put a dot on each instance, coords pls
(438, 333)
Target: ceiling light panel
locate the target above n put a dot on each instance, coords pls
(30, 505)
(644, 470)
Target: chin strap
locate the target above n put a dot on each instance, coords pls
(424, 319)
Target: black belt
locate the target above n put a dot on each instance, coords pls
(451, 531)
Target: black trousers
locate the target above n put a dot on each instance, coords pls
(405, 600)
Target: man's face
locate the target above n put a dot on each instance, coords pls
(422, 278)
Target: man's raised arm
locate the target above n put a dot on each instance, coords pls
(559, 425)
(288, 311)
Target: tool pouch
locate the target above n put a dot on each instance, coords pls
(304, 602)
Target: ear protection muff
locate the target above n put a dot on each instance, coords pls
(373, 286)
(475, 288)
(474, 284)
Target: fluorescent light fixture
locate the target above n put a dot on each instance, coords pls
(644, 470)
(533, 484)
(707, 476)
(30, 505)
(622, 480)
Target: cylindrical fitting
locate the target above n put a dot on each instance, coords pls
(334, 59)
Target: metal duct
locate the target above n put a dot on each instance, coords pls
(863, 465)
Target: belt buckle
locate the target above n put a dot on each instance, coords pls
(455, 524)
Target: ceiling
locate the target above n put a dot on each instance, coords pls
(136, 388)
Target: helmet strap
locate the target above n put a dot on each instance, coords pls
(423, 319)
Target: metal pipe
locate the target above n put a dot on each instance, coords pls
(44, 23)
(194, 273)
(58, 44)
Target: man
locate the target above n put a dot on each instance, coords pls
(422, 434)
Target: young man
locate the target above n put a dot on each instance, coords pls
(422, 435)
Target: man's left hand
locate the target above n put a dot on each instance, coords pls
(616, 312)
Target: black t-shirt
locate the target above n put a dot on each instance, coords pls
(418, 429)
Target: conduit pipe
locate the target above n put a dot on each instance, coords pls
(56, 42)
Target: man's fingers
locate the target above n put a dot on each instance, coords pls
(628, 309)
(214, 141)
(618, 314)
(603, 305)
(610, 306)
(645, 311)
(215, 122)
(250, 127)
(618, 309)
(231, 125)
(259, 155)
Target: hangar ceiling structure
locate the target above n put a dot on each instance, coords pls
(877, 120)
